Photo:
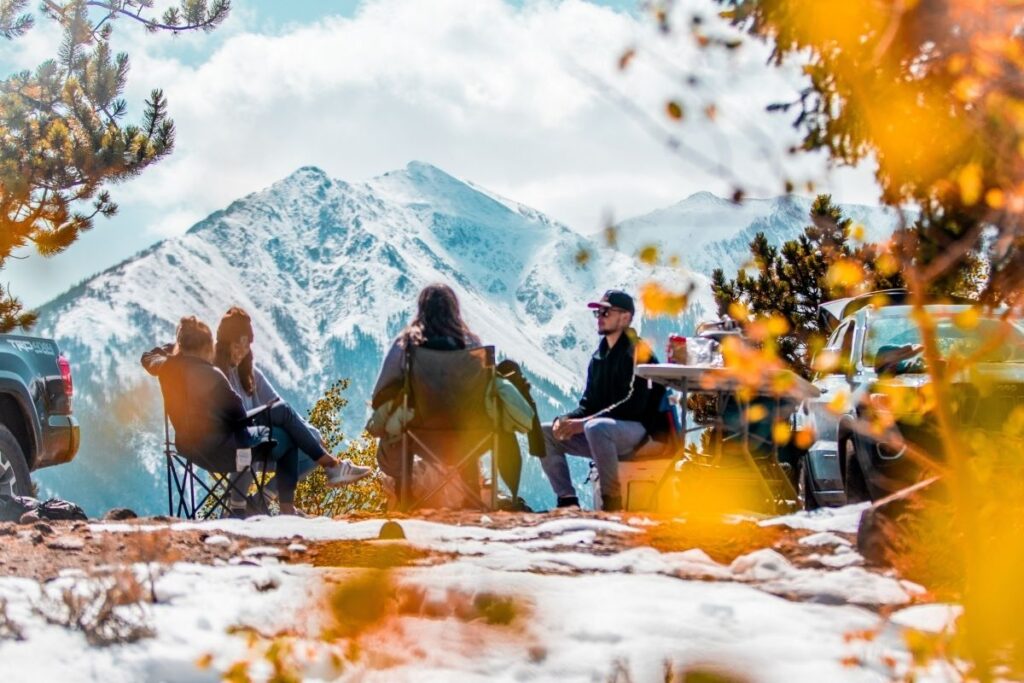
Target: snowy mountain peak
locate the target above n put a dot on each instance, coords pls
(709, 232)
(702, 199)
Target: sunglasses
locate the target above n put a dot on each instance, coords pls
(603, 312)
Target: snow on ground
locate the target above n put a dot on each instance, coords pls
(844, 519)
(584, 614)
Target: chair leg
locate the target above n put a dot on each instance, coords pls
(494, 472)
(404, 484)
(453, 475)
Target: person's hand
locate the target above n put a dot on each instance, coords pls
(565, 428)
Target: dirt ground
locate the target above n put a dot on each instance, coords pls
(43, 550)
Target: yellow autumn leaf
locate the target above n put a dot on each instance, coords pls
(858, 232)
(777, 325)
(674, 110)
(838, 403)
(969, 180)
(738, 311)
(804, 438)
(844, 273)
(967, 319)
(781, 431)
(995, 198)
(658, 301)
(886, 264)
(611, 236)
(756, 413)
(649, 255)
(968, 89)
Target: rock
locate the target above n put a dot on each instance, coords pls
(7, 529)
(261, 551)
(391, 531)
(884, 524)
(217, 540)
(36, 537)
(30, 517)
(69, 543)
(297, 548)
(43, 528)
(119, 515)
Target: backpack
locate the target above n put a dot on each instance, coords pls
(13, 507)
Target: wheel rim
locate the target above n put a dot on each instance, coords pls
(8, 480)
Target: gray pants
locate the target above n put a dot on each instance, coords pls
(603, 440)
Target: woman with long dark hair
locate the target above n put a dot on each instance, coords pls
(233, 355)
(437, 325)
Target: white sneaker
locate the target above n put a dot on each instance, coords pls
(346, 472)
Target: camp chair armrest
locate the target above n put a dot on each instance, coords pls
(259, 410)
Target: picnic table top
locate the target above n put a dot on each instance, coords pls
(704, 378)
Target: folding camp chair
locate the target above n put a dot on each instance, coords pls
(185, 473)
(450, 427)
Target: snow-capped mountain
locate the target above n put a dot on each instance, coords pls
(709, 232)
(329, 271)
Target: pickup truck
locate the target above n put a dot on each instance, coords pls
(37, 428)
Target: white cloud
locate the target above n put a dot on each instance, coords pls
(500, 95)
(482, 89)
(175, 222)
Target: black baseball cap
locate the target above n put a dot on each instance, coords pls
(614, 298)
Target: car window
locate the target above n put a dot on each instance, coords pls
(835, 357)
(836, 340)
(993, 339)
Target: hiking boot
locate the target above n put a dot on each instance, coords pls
(568, 502)
(611, 503)
(345, 473)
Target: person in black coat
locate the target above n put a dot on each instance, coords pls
(209, 418)
(617, 412)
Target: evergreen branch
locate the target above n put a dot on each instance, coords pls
(14, 24)
(199, 15)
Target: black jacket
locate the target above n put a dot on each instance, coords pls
(614, 390)
(207, 415)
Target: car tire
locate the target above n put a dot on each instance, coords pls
(805, 486)
(854, 483)
(14, 474)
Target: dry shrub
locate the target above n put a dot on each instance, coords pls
(9, 629)
(153, 549)
(107, 607)
(363, 613)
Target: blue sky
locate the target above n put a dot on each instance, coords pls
(499, 92)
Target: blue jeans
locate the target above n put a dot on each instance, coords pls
(603, 440)
(297, 450)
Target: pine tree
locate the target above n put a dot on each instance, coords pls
(63, 137)
(791, 281)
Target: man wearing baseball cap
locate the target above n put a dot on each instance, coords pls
(616, 412)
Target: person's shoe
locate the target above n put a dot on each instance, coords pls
(568, 502)
(611, 503)
(345, 473)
